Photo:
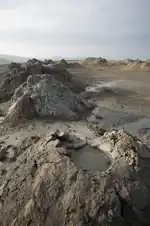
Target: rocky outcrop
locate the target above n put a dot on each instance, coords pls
(44, 96)
(42, 185)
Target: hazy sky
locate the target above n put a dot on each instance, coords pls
(45, 28)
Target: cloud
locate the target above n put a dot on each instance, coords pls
(84, 26)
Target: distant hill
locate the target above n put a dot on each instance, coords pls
(12, 58)
(4, 61)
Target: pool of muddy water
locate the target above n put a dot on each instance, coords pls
(90, 159)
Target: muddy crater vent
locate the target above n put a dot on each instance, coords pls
(89, 158)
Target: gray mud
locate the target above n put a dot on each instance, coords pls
(42, 177)
(122, 102)
(89, 158)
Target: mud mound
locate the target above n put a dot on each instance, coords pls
(133, 65)
(75, 65)
(136, 65)
(14, 66)
(49, 61)
(45, 96)
(95, 61)
(127, 61)
(33, 61)
(22, 109)
(146, 65)
(42, 185)
(18, 74)
(11, 81)
(64, 62)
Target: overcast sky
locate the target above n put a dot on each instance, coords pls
(75, 28)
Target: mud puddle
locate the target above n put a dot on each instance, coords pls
(90, 159)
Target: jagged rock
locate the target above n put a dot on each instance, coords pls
(43, 96)
(48, 189)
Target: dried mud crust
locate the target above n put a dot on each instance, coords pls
(17, 74)
(43, 96)
(42, 186)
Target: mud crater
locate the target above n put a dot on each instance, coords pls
(89, 158)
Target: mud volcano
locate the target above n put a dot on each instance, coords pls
(89, 158)
(43, 96)
(42, 185)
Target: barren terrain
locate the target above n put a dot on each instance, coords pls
(115, 99)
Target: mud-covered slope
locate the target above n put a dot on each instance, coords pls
(41, 185)
(16, 74)
(43, 96)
